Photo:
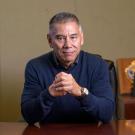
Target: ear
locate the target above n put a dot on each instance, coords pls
(82, 38)
(49, 40)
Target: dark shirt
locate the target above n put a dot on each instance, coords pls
(89, 71)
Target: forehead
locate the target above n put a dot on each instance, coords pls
(65, 28)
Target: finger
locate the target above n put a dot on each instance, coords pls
(59, 79)
(64, 88)
(60, 93)
(61, 74)
(61, 84)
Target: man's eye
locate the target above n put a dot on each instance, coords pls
(60, 38)
(74, 37)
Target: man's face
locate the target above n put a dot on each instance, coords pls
(66, 40)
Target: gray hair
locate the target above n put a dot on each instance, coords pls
(63, 17)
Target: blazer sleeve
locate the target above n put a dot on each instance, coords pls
(99, 103)
(36, 102)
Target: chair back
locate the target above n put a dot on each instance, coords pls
(114, 84)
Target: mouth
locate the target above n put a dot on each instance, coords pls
(68, 53)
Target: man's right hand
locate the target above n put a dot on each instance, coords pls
(54, 92)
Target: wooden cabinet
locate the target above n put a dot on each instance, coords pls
(129, 106)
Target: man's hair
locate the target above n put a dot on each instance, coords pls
(63, 17)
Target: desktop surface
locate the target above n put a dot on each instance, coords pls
(121, 127)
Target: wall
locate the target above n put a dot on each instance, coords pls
(109, 27)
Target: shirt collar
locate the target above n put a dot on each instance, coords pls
(58, 63)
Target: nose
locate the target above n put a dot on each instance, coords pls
(67, 42)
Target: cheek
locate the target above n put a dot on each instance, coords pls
(57, 45)
(77, 44)
(57, 48)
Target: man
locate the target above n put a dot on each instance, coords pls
(66, 84)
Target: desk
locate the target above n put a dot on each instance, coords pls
(124, 127)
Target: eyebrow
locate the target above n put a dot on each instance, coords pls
(59, 35)
(74, 34)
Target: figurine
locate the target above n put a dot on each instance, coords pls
(130, 72)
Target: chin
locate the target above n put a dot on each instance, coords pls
(69, 60)
(69, 57)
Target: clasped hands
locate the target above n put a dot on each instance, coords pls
(64, 83)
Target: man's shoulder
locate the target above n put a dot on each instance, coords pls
(92, 60)
(42, 59)
(91, 56)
